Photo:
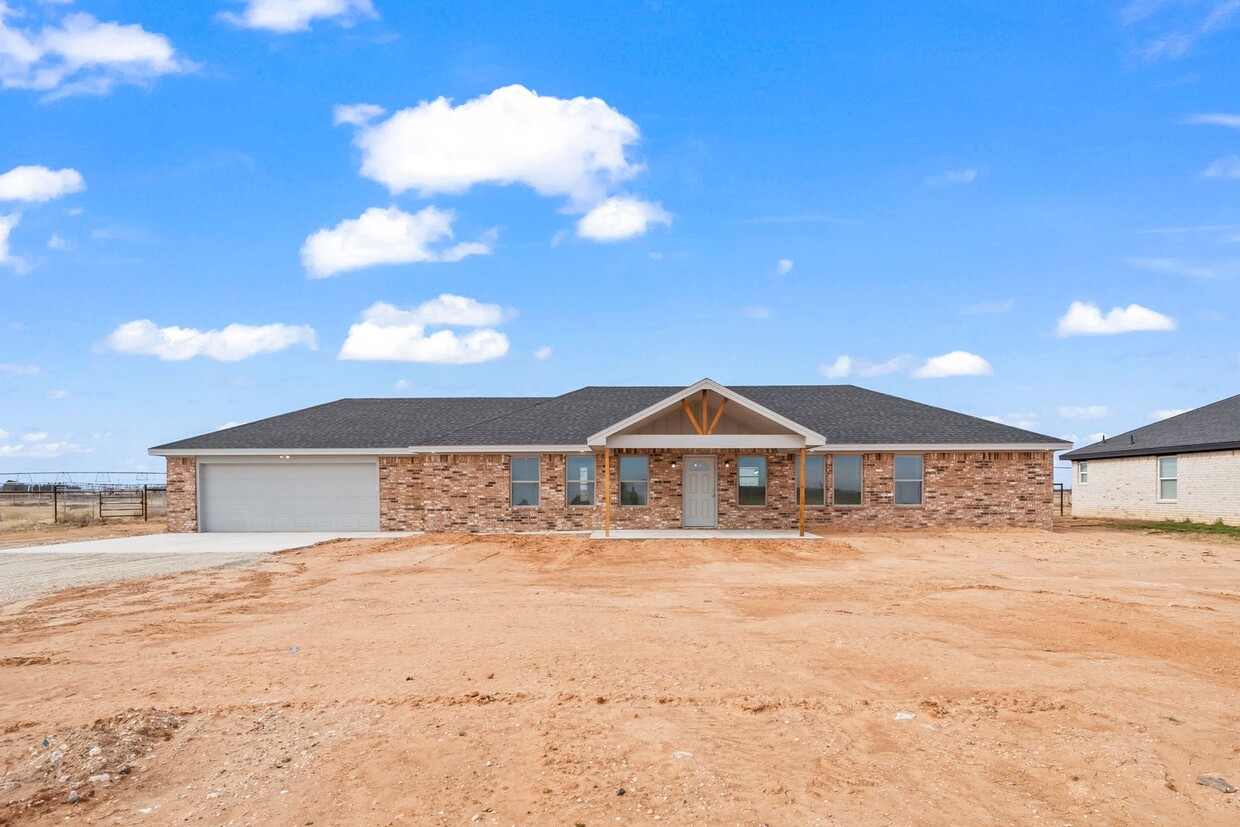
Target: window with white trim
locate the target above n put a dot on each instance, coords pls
(580, 480)
(815, 479)
(751, 481)
(908, 479)
(846, 478)
(523, 482)
(634, 480)
(1082, 472)
(1168, 479)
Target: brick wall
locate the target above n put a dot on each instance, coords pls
(182, 494)
(1127, 488)
(470, 492)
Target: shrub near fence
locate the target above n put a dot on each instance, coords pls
(80, 502)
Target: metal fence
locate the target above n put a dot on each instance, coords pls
(59, 497)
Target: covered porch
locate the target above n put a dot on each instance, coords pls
(706, 462)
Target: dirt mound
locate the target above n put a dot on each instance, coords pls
(82, 762)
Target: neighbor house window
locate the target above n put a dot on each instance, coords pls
(751, 480)
(1082, 472)
(524, 481)
(580, 488)
(847, 473)
(634, 480)
(815, 480)
(1168, 478)
(908, 479)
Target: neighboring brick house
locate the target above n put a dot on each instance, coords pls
(1184, 467)
(704, 456)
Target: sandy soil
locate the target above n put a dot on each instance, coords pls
(15, 534)
(1086, 677)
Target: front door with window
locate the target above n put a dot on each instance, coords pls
(700, 493)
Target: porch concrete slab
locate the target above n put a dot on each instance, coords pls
(701, 534)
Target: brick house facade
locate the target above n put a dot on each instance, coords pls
(331, 467)
(470, 492)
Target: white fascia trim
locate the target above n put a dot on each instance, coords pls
(942, 447)
(811, 438)
(373, 452)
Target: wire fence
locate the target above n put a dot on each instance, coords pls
(82, 497)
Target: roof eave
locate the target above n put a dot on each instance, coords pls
(1150, 451)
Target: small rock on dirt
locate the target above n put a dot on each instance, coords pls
(95, 752)
(1217, 782)
(101, 778)
(905, 716)
(74, 798)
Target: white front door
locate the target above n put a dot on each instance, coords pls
(699, 493)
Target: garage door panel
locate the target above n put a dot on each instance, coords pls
(266, 496)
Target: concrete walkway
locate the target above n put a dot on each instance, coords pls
(32, 571)
(701, 534)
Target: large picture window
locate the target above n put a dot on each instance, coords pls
(751, 480)
(815, 480)
(1168, 478)
(634, 480)
(909, 469)
(524, 481)
(846, 471)
(580, 483)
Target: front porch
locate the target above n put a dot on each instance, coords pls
(705, 462)
(701, 534)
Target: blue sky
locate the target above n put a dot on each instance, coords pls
(214, 212)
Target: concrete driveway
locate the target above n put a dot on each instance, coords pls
(35, 570)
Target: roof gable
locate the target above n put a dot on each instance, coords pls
(690, 393)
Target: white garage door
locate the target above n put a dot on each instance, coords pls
(289, 496)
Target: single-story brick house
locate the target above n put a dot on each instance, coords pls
(1184, 467)
(702, 456)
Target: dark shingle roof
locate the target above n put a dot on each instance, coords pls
(359, 423)
(844, 414)
(1213, 427)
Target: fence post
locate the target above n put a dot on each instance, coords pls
(55, 503)
(144, 489)
(101, 505)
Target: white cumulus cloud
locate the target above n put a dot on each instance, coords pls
(1086, 319)
(1025, 421)
(956, 363)
(784, 267)
(1228, 167)
(952, 177)
(1214, 119)
(543, 353)
(385, 236)
(387, 333)
(35, 183)
(841, 367)
(1087, 412)
(37, 444)
(285, 16)
(231, 344)
(7, 258)
(1167, 413)
(82, 55)
(20, 370)
(621, 217)
(357, 114)
(559, 147)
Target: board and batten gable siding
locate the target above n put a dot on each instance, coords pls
(1127, 488)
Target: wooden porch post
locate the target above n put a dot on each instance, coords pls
(802, 487)
(606, 492)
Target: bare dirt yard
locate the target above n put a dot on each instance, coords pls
(20, 533)
(1077, 677)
